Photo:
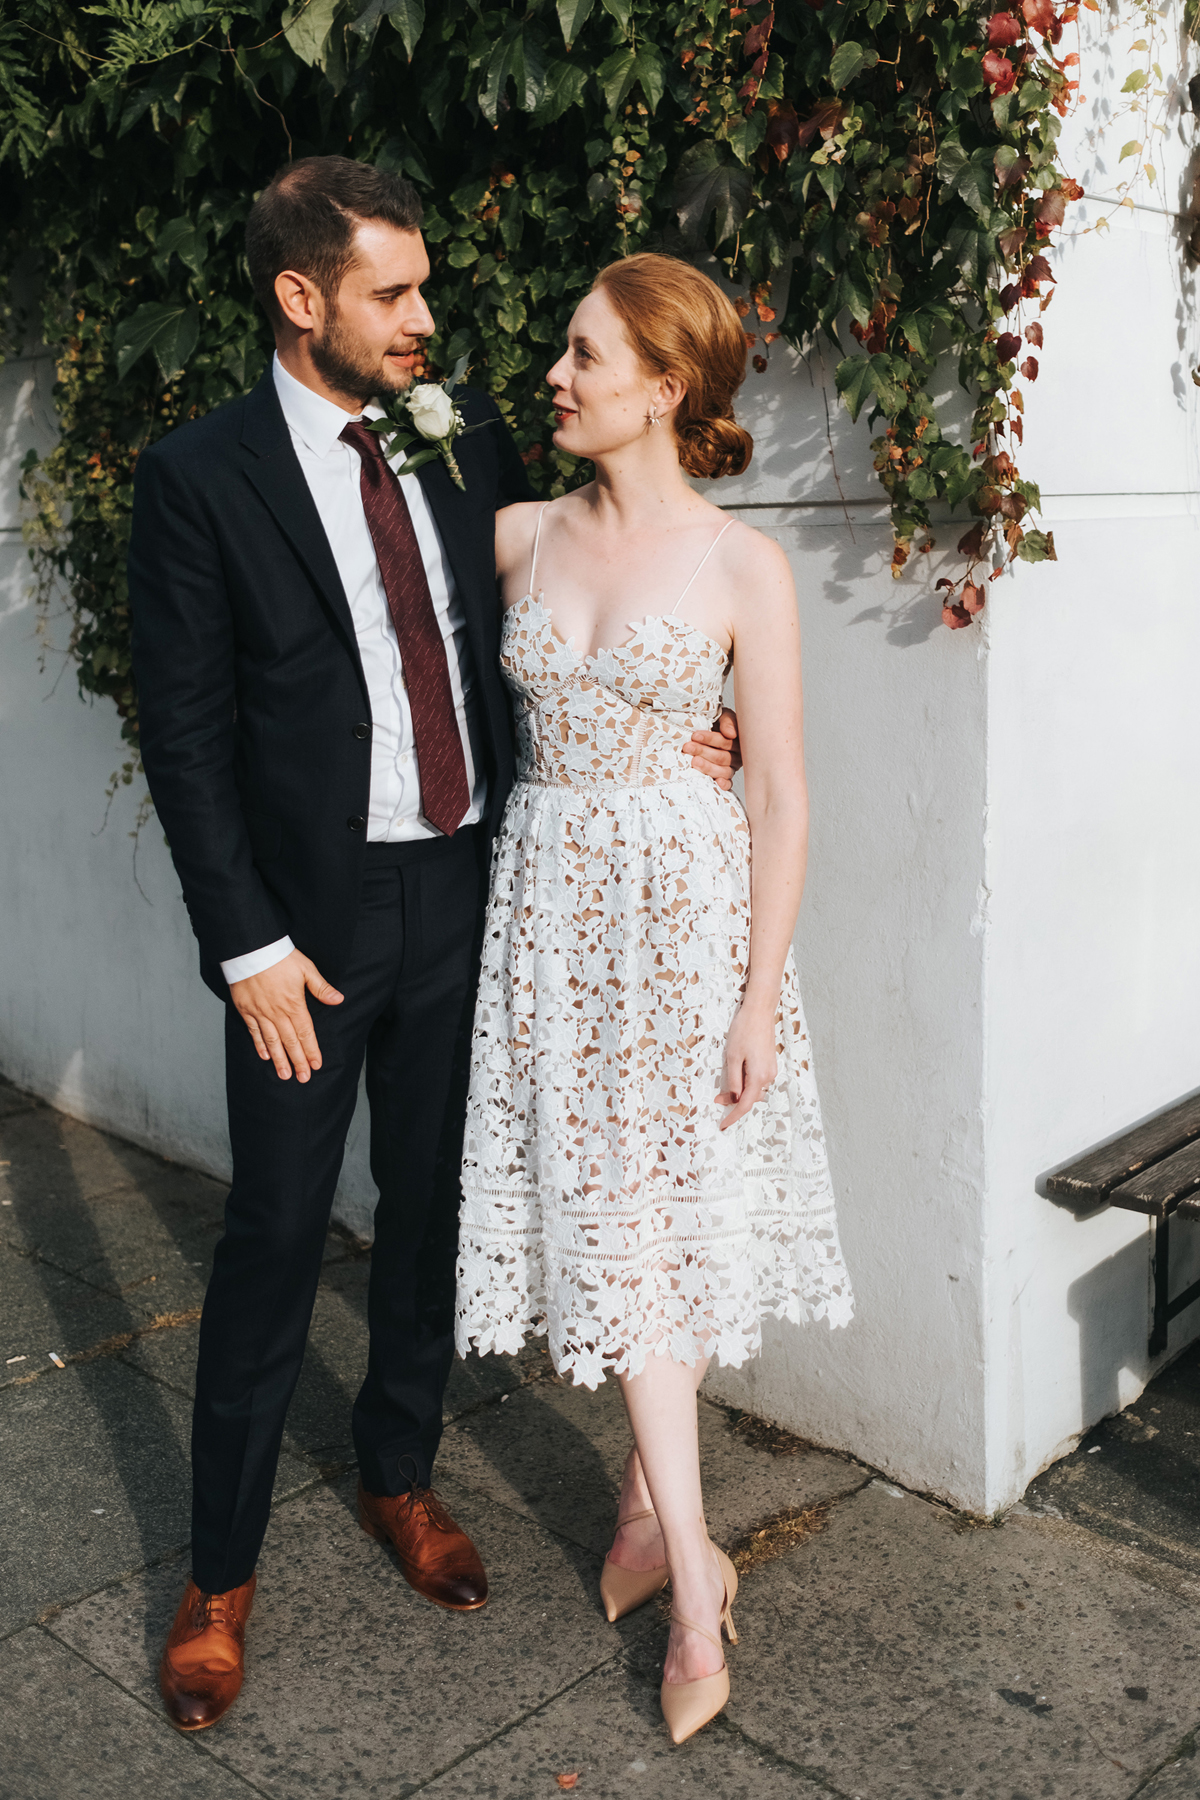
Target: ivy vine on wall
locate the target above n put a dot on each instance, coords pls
(875, 170)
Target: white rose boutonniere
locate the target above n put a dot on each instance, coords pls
(424, 423)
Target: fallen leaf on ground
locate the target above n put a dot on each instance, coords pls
(569, 1781)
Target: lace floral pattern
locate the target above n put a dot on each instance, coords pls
(601, 1203)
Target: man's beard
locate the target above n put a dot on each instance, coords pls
(350, 368)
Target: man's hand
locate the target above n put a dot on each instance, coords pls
(277, 1016)
(716, 753)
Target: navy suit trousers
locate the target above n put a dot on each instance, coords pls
(409, 995)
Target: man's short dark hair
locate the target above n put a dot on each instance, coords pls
(306, 220)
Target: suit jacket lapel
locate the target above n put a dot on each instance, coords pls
(276, 473)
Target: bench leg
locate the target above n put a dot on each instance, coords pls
(1161, 1259)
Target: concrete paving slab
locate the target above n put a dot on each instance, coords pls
(1180, 1780)
(609, 1731)
(152, 1244)
(67, 1729)
(94, 1481)
(57, 1158)
(901, 1659)
(355, 1683)
(555, 1452)
(12, 1100)
(1136, 1476)
(44, 1310)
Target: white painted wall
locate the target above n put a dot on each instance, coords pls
(997, 948)
(972, 1042)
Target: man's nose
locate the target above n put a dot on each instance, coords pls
(418, 320)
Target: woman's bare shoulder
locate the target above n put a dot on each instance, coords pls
(751, 560)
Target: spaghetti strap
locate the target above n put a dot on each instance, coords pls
(699, 565)
(537, 538)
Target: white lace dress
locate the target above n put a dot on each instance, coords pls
(601, 1203)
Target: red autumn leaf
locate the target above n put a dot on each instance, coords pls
(988, 499)
(825, 118)
(970, 544)
(1010, 295)
(973, 599)
(1004, 28)
(1029, 368)
(1007, 346)
(1070, 62)
(944, 582)
(1014, 174)
(741, 306)
(766, 314)
(751, 338)
(1011, 506)
(756, 37)
(1000, 466)
(1034, 335)
(955, 617)
(998, 72)
(533, 455)
(1017, 427)
(783, 129)
(1052, 208)
(1071, 188)
(1012, 242)
(1039, 14)
(568, 1780)
(760, 365)
(1037, 269)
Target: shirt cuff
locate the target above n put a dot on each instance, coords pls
(240, 968)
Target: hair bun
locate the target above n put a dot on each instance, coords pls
(711, 448)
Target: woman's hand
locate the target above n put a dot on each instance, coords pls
(750, 1062)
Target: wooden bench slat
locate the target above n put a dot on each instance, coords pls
(1094, 1177)
(1159, 1189)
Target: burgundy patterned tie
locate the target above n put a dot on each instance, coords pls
(445, 795)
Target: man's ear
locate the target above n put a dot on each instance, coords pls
(299, 300)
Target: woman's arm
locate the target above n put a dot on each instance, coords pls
(766, 673)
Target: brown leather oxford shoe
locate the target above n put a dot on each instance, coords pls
(200, 1675)
(436, 1555)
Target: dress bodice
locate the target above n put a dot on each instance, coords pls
(616, 719)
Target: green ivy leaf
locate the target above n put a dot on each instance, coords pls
(849, 60)
(854, 382)
(169, 330)
(307, 30)
(620, 10)
(648, 73)
(616, 76)
(1132, 85)
(181, 238)
(407, 17)
(709, 181)
(572, 17)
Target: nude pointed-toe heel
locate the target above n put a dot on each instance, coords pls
(624, 1590)
(689, 1705)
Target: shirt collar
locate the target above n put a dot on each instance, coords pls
(315, 420)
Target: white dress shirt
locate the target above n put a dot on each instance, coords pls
(331, 470)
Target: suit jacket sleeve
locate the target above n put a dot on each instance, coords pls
(512, 483)
(185, 665)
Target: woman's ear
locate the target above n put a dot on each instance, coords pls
(669, 390)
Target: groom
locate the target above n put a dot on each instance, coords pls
(329, 747)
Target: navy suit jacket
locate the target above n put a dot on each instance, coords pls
(255, 724)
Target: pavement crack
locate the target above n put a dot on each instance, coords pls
(806, 1771)
(1187, 1746)
(114, 1345)
(513, 1725)
(193, 1740)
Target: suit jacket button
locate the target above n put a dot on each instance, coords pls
(356, 824)
(362, 731)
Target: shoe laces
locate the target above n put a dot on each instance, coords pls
(213, 1610)
(435, 1513)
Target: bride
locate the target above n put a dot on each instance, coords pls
(644, 1174)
